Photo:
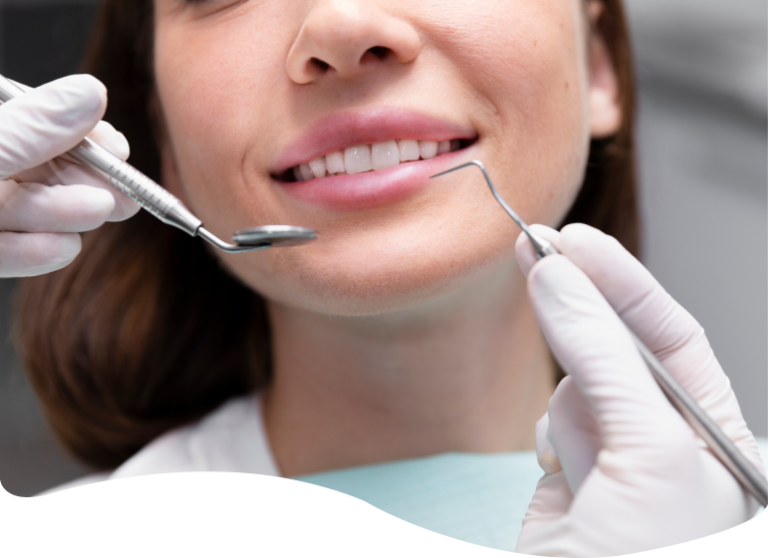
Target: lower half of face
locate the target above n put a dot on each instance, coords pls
(503, 82)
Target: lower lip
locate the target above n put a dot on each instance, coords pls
(369, 190)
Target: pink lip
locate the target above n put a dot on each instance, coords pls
(371, 189)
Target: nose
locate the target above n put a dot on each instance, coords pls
(348, 38)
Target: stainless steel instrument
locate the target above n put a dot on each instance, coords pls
(162, 204)
(722, 446)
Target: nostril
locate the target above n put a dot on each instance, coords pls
(319, 64)
(379, 52)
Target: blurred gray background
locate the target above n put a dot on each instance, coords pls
(703, 142)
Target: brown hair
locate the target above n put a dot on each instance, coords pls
(145, 331)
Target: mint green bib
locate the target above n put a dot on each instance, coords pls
(477, 498)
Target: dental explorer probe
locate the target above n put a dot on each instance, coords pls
(161, 203)
(722, 446)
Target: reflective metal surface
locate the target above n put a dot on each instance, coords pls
(275, 236)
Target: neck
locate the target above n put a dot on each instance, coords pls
(467, 373)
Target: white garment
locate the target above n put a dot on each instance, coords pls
(231, 439)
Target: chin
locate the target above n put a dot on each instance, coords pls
(351, 275)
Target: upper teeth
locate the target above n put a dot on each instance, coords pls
(364, 158)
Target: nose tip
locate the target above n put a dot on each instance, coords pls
(347, 38)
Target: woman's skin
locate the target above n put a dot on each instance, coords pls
(405, 330)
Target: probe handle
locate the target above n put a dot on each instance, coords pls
(131, 182)
(137, 186)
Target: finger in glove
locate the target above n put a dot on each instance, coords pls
(49, 121)
(31, 254)
(53, 209)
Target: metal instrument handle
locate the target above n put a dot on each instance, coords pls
(137, 186)
(130, 181)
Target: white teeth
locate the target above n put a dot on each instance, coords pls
(379, 156)
(357, 159)
(428, 149)
(385, 155)
(409, 150)
(318, 167)
(306, 172)
(335, 163)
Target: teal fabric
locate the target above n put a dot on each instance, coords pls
(480, 499)
(475, 498)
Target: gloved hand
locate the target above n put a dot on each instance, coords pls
(50, 200)
(623, 471)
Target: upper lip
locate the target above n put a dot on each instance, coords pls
(348, 129)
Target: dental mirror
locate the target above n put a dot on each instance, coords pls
(261, 238)
(274, 235)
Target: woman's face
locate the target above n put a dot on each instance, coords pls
(253, 89)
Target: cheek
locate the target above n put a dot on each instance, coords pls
(217, 84)
(528, 62)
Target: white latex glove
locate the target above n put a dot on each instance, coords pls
(50, 200)
(623, 471)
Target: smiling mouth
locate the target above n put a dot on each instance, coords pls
(367, 158)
